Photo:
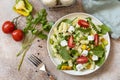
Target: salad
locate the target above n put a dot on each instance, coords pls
(79, 44)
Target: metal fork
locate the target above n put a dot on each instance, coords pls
(38, 63)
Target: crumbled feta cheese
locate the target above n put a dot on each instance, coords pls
(90, 38)
(71, 29)
(85, 52)
(63, 43)
(79, 67)
(94, 58)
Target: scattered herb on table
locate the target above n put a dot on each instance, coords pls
(32, 31)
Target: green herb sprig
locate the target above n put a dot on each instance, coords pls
(32, 31)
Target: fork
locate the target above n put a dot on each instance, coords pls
(38, 63)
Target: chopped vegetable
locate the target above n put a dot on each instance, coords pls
(64, 53)
(31, 31)
(98, 51)
(79, 44)
(104, 28)
(83, 23)
(82, 60)
(96, 39)
(70, 42)
(23, 7)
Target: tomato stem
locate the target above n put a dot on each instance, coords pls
(15, 20)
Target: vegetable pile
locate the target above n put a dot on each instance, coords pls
(10, 27)
(31, 31)
(79, 44)
(37, 26)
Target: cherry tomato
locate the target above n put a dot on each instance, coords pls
(70, 42)
(17, 35)
(8, 27)
(83, 23)
(96, 39)
(82, 60)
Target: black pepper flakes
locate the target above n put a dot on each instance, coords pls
(40, 46)
(38, 53)
(38, 40)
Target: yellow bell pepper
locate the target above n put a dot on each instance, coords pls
(84, 47)
(23, 7)
(66, 67)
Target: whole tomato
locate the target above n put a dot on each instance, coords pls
(8, 27)
(17, 35)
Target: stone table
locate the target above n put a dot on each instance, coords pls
(8, 49)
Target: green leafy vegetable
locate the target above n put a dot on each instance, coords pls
(98, 51)
(32, 31)
(92, 24)
(84, 30)
(104, 28)
(100, 61)
(64, 53)
(42, 35)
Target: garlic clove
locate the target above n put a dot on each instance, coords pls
(67, 2)
(49, 3)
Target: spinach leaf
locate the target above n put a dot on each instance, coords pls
(104, 29)
(84, 30)
(100, 61)
(98, 51)
(67, 21)
(64, 53)
(92, 24)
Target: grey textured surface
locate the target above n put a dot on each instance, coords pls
(9, 48)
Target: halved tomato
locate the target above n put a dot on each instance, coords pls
(82, 60)
(83, 23)
(71, 44)
(96, 39)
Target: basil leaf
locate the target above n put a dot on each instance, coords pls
(84, 30)
(64, 53)
(67, 21)
(100, 61)
(104, 29)
(98, 51)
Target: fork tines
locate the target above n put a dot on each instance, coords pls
(35, 60)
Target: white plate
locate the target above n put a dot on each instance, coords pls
(72, 16)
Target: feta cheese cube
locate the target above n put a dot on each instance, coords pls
(94, 58)
(63, 43)
(79, 67)
(71, 29)
(85, 52)
(90, 38)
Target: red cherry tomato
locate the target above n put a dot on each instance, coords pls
(70, 42)
(83, 23)
(82, 60)
(8, 27)
(96, 39)
(17, 35)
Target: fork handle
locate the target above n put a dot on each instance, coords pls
(51, 77)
